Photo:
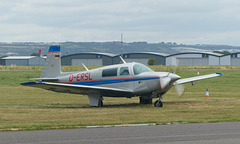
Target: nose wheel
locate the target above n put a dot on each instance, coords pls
(158, 103)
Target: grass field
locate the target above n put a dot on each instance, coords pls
(27, 108)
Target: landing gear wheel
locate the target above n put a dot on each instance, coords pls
(100, 103)
(145, 100)
(158, 103)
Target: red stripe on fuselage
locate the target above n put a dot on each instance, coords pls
(111, 79)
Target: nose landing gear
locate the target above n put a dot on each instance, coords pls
(158, 103)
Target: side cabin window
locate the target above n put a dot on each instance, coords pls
(124, 71)
(109, 72)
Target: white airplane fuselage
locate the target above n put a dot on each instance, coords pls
(144, 83)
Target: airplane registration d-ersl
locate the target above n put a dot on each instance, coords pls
(120, 80)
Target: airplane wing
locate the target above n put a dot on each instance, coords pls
(44, 79)
(79, 89)
(191, 79)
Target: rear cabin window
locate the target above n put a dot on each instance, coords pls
(109, 72)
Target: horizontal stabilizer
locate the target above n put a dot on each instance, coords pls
(191, 79)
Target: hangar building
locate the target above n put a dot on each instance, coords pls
(230, 59)
(22, 61)
(100, 59)
(89, 59)
(193, 58)
(141, 58)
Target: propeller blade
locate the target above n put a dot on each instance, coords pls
(174, 69)
(180, 89)
(175, 65)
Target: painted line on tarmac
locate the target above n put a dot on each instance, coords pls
(103, 126)
(124, 125)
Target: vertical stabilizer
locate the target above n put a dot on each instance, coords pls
(52, 66)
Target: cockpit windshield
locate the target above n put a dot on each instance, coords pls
(140, 68)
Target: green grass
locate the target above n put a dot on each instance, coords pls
(28, 108)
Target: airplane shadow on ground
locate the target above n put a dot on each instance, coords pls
(76, 106)
(124, 105)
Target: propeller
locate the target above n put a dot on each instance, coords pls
(172, 78)
(180, 89)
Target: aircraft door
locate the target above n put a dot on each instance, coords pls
(125, 76)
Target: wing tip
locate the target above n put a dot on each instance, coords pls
(31, 83)
(220, 74)
(28, 83)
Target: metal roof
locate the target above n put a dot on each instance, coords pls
(91, 53)
(230, 54)
(151, 53)
(155, 53)
(106, 54)
(209, 53)
(18, 57)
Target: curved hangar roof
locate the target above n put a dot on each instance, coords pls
(208, 53)
(90, 53)
(148, 53)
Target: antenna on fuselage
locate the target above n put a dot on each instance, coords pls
(122, 59)
(122, 50)
(85, 67)
(121, 44)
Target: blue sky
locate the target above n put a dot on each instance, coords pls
(181, 21)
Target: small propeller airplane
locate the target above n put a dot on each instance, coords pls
(120, 80)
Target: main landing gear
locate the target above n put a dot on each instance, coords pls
(100, 103)
(158, 103)
(145, 100)
(95, 98)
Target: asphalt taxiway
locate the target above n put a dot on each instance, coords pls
(213, 133)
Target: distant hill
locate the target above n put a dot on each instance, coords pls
(28, 48)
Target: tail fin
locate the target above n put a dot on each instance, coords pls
(52, 66)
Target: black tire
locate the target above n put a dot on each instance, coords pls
(100, 103)
(158, 103)
(145, 101)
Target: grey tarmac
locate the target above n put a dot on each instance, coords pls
(202, 133)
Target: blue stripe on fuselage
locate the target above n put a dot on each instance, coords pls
(111, 81)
